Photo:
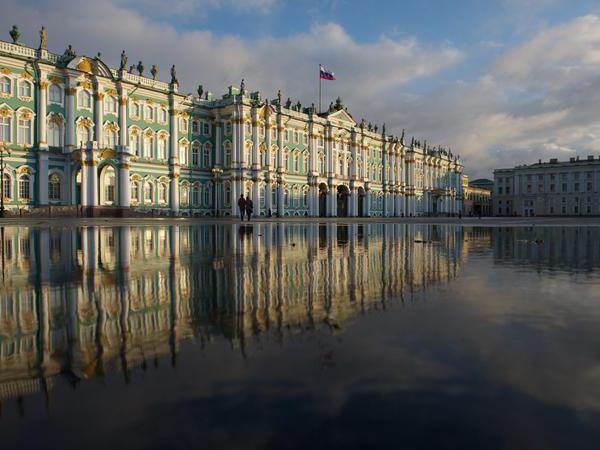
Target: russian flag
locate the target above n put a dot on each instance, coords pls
(326, 74)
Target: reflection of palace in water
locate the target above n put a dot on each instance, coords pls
(81, 301)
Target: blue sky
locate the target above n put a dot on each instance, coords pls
(500, 82)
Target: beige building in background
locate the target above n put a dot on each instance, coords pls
(554, 188)
(477, 197)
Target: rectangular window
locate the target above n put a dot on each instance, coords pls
(206, 129)
(5, 129)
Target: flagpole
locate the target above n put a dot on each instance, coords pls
(320, 81)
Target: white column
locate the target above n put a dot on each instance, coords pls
(217, 128)
(123, 117)
(70, 119)
(42, 177)
(124, 183)
(41, 116)
(99, 117)
(280, 168)
(174, 157)
(353, 203)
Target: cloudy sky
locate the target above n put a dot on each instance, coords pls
(500, 82)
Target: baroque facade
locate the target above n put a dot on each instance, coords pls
(554, 188)
(79, 135)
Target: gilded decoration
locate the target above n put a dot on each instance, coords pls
(85, 122)
(5, 71)
(111, 92)
(26, 115)
(24, 170)
(123, 101)
(112, 127)
(56, 119)
(149, 133)
(86, 84)
(99, 96)
(108, 153)
(85, 65)
(55, 80)
(70, 91)
(149, 101)
(43, 84)
(5, 112)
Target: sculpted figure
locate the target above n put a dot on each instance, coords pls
(43, 39)
(123, 65)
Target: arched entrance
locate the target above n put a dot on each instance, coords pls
(322, 200)
(362, 200)
(342, 200)
(77, 187)
(108, 186)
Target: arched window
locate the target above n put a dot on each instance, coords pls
(54, 186)
(110, 138)
(195, 153)
(248, 128)
(110, 104)
(110, 182)
(7, 185)
(135, 191)
(296, 162)
(163, 115)
(227, 128)
(55, 94)
(322, 168)
(24, 187)
(148, 145)
(183, 124)
(84, 135)
(227, 195)
(263, 157)
(206, 155)
(25, 131)
(5, 132)
(148, 193)
(341, 166)
(162, 193)
(183, 154)
(261, 194)
(286, 160)
(135, 109)
(134, 142)
(53, 134)
(84, 99)
(5, 85)
(162, 148)
(274, 158)
(227, 161)
(273, 198)
(195, 196)
(207, 192)
(149, 113)
(25, 89)
(286, 198)
(305, 198)
(305, 164)
(184, 195)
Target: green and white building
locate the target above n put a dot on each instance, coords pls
(81, 137)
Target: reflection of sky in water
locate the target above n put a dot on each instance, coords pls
(293, 336)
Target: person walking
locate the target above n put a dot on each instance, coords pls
(249, 207)
(242, 206)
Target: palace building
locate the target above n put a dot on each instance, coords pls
(77, 136)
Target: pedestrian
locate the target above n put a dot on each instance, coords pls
(249, 208)
(242, 206)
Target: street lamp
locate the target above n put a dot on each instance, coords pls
(3, 150)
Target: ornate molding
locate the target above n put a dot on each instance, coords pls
(43, 85)
(70, 91)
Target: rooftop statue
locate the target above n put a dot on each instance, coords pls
(298, 106)
(339, 104)
(174, 75)
(279, 97)
(68, 55)
(383, 129)
(200, 90)
(243, 86)
(140, 68)
(15, 34)
(123, 65)
(402, 137)
(288, 103)
(43, 39)
(154, 71)
(131, 68)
